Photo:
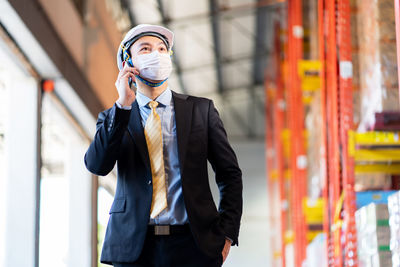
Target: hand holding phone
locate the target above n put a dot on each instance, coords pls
(126, 94)
(130, 64)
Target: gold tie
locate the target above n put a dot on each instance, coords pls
(153, 134)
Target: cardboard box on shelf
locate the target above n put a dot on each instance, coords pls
(387, 121)
(378, 79)
(372, 181)
(382, 259)
(394, 221)
(378, 197)
(314, 140)
(394, 224)
(373, 235)
(316, 252)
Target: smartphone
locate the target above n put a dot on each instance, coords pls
(130, 64)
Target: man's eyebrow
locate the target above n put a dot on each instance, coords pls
(147, 43)
(144, 43)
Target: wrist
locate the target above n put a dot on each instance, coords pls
(119, 106)
(122, 103)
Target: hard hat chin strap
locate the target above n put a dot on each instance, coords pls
(151, 84)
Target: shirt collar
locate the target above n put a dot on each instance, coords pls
(164, 99)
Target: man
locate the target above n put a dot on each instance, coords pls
(163, 212)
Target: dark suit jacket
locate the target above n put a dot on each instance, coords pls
(201, 137)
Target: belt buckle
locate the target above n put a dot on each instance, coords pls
(161, 230)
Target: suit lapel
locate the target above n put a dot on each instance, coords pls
(183, 117)
(135, 128)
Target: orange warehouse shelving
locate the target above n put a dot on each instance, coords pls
(285, 115)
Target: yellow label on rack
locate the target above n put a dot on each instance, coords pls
(377, 138)
(289, 237)
(309, 73)
(313, 210)
(273, 175)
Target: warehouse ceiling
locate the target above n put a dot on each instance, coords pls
(220, 50)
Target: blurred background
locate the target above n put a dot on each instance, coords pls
(307, 89)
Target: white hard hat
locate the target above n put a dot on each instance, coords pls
(143, 30)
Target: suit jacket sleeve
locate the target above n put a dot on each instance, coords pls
(227, 174)
(102, 153)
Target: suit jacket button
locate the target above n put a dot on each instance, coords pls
(149, 182)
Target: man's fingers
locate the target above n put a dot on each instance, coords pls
(134, 71)
(123, 76)
(225, 250)
(126, 72)
(127, 69)
(127, 75)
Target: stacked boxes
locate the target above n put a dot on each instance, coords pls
(355, 61)
(394, 222)
(314, 141)
(316, 252)
(373, 235)
(377, 59)
(373, 181)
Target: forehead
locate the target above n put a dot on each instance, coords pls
(147, 40)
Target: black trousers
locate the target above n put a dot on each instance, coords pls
(179, 250)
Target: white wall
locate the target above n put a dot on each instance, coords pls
(254, 248)
(18, 178)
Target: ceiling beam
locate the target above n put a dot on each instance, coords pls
(228, 12)
(35, 19)
(260, 44)
(166, 22)
(232, 90)
(125, 6)
(214, 13)
(224, 61)
(259, 61)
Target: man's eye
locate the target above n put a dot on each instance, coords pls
(144, 49)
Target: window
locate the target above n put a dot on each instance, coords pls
(65, 204)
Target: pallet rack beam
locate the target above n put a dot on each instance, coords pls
(275, 140)
(279, 128)
(377, 168)
(334, 175)
(377, 155)
(374, 139)
(324, 145)
(297, 162)
(346, 125)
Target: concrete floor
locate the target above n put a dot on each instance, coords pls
(254, 249)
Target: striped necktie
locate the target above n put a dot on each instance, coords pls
(153, 134)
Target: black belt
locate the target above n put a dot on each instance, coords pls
(168, 229)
